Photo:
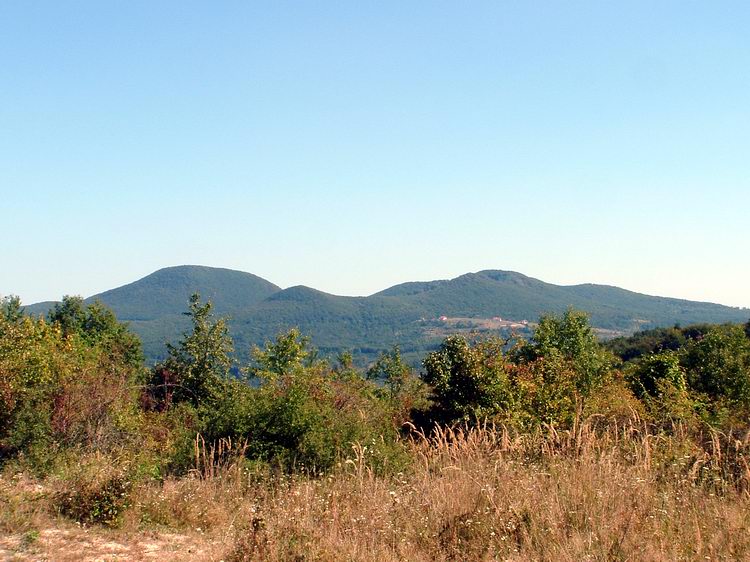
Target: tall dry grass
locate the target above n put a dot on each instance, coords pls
(484, 493)
(594, 492)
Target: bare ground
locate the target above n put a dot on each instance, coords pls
(74, 543)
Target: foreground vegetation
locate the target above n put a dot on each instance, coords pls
(550, 449)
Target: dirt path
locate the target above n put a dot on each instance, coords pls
(95, 545)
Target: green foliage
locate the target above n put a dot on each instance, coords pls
(402, 390)
(698, 370)
(468, 382)
(96, 325)
(569, 337)
(198, 366)
(344, 367)
(286, 356)
(671, 403)
(718, 364)
(615, 402)
(648, 375)
(30, 356)
(660, 382)
(10, 309)
(301, 427)
(392, 371)
(655, 341)
(545, 391)
(306, 415)
(546, 380)
(63, 390)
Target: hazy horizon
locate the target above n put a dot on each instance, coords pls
(354, 147)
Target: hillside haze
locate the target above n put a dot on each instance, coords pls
(414, 315)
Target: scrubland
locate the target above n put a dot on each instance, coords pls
(470, 493)
(548, 449)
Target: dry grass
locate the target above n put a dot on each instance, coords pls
(620, 493)
(482, 494)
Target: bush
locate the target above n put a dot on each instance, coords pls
(569, 337)
(197, 366)
(311, 420)
(61, 390)
(96, 491)
(304, 414)
(648, 375)
(544, 391)
(718, 365)
(469, 382)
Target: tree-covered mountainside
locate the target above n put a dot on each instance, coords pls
(153, 306)
(407, 314)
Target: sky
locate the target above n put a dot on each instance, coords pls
(350, 146)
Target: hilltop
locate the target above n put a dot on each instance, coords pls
(408, 314)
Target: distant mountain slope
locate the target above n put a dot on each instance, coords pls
(154, 305)
(514, 295)
(405, 314)
(39, 308)
(487, 293)
(167, 291)
(334, 322)
(647, 310)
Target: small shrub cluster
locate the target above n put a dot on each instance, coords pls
(704, 380)
(64, 388)
(95, 491)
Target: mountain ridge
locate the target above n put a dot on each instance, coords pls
(407, 314)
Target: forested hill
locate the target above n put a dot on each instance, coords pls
(413, 315)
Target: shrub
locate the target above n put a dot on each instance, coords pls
(61, 390)
(645, 376)
(569, 337)
(197, 366)
(306, 415)
(718, 365)
(311, 423)
(545, 391)
(402, 390)
(96, 491)
(468, 381)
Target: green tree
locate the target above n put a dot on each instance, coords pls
(468, 381)
(197, 367)
(306, 414)
(61, 391)
(650, 372)
(718, 364)
(544, 391)
(96, 325)
(70, 315)
(570, 337)
(11, 309)
(392, 371)
(344, 368)
(285, 356)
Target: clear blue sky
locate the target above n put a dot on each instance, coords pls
(350, 146)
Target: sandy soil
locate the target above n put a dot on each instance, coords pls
(99, 545)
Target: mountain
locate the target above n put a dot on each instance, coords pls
(514, 295)
(166, 291)
(414, 315)
(153, 306)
